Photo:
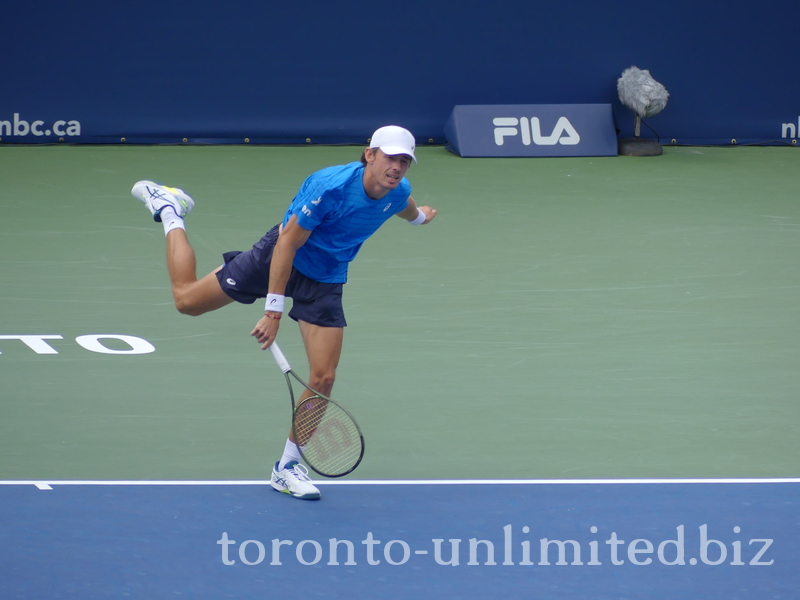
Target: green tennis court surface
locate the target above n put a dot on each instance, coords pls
(561, 318)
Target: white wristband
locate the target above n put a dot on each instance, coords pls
(275, 302)
(420, 218)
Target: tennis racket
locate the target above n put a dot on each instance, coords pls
(327, 435)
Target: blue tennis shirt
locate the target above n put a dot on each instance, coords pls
(332, 204)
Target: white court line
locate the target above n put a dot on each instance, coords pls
(49, 483)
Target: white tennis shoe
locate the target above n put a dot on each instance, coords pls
(293, 480)
(157, 197)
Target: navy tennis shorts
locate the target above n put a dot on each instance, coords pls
(245, 278)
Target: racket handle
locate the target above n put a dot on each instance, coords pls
(279, 357)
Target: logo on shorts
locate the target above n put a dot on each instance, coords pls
(231, 281)
(317, 201)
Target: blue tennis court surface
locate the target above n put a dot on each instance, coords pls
(526, 540)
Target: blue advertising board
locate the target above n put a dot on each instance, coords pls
(510, 130)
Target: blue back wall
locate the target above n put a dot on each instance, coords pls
(331, 72)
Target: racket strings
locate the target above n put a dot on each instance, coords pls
(329, 438)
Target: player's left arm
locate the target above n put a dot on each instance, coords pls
(413, 213)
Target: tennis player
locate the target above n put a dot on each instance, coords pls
(305, 257)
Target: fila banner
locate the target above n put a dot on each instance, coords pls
(508, 130)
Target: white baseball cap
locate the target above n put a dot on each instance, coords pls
(394, 140)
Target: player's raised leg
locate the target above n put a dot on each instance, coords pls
(169, 206)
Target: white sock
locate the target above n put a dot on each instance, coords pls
(290, 453)
(171, 220)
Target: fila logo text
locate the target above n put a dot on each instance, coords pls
(530, 130)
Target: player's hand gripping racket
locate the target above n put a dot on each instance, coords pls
(326, 434)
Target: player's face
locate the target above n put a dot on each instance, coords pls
(384, 171)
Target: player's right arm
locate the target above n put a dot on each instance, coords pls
(292, 237)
